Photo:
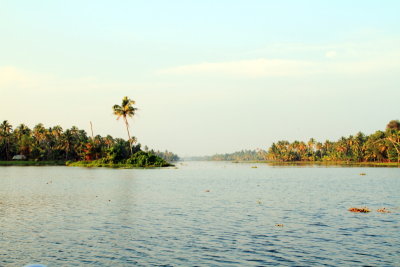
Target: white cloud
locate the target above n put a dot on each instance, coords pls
(278, 67)
(297, 59)
(250, 68)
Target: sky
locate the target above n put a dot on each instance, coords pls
(207, 76)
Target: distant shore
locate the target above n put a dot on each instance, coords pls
(130, 166)
(324, 163)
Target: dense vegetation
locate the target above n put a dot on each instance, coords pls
(55, 144)
(244, 155)
(138, 159)
(381, 146)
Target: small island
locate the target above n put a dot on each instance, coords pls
(43, 146)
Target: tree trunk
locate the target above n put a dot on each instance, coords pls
(7, 148)
(129, 136)
(91, 128)
(397, 150)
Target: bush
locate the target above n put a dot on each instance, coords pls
(139, 159)
(146, 159)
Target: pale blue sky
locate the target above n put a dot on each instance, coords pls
(207, 76)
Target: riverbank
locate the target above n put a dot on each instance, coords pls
(325, 163)
(91, 164)
(32, 163)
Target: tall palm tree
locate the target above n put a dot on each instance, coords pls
(5, 133)
(67, 140)
(126, 110)
(23, 139)
(6, 127)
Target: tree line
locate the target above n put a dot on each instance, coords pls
(55, 144)
(381, 146)
(243, 155)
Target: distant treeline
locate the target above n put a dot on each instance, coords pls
(54, 143)
(381, 146)
(166, 155)
(244, 155)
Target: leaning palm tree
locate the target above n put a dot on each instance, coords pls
(125, 110)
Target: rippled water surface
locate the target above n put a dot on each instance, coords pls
(203, 213)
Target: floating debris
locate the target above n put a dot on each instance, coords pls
(254, 167)
(259, 202)
(383, 210)
(279, 225)
(363, 210)
(207, 191)
(363, 173)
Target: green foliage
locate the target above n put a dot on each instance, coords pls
(125, 111)
(244, 155)
(377, 147)
(139, 159)
(118, 152)
(166, 155)
(56, 145)
(146, 159)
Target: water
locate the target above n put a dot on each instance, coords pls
(203, 213)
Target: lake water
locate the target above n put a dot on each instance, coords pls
(203, 213)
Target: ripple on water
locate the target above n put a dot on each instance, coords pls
(164, 218)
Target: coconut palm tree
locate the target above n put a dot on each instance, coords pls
(5, 133)
(23, 140)
(126, 110)
(393, 136)
(393, 125)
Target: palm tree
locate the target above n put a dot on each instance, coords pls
(393, 136)
(23, 139)
(5, 133)
(125, 110)
(393, 125)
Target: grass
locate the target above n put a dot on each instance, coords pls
(93, 164)
(32, 163)
(76, 164)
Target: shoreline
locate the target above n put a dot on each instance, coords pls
(32, 163)
(132, 166)
(88, 164)
(324, 163)
(77, 164)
